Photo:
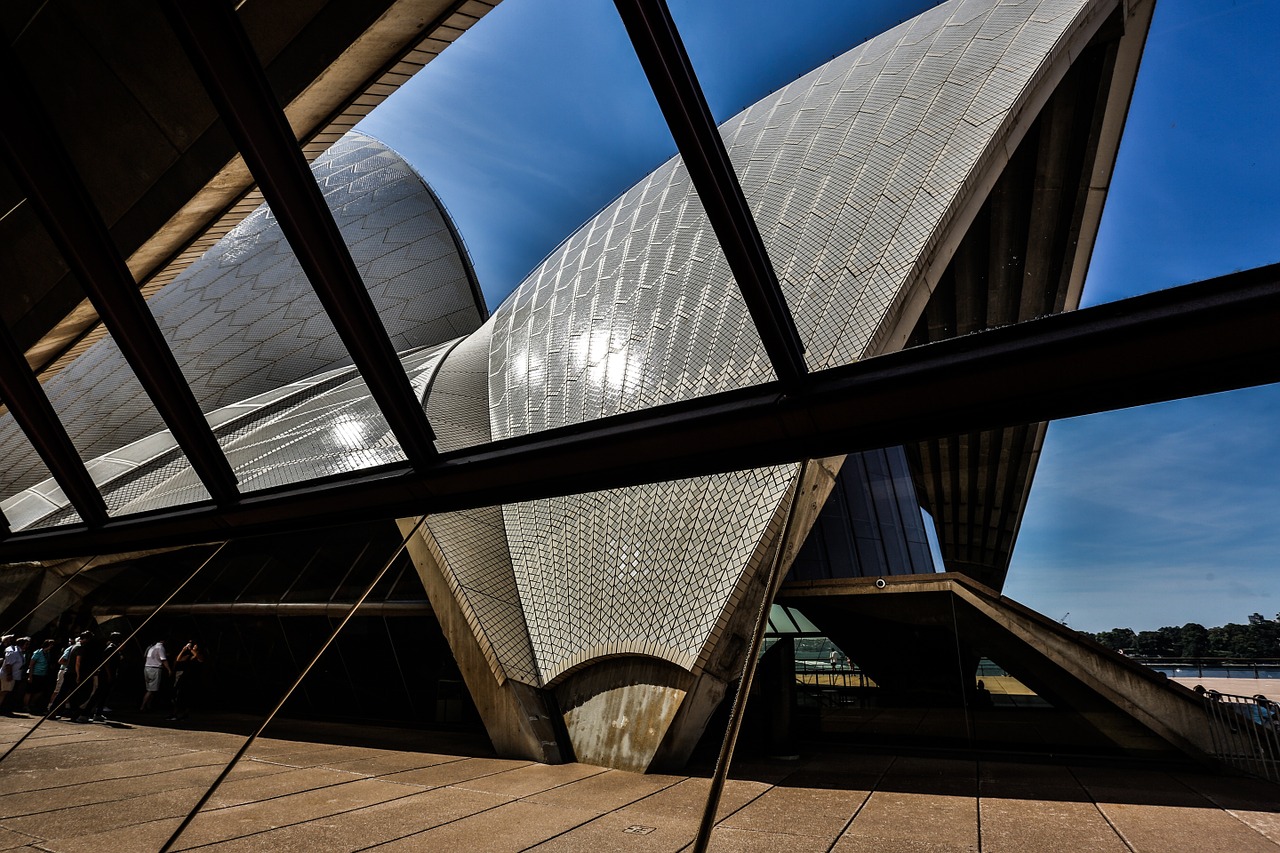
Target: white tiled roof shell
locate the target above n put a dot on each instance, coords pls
(242, 320)
(335, 429)
(853, 172)
(315, 427)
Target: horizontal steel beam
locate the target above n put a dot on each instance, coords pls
(46, 173)
(1201, 338)
(228, 66)
(287, 609)
(661, 53)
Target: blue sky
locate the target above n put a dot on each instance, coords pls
(1162, 515)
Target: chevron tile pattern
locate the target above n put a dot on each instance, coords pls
(853, 172)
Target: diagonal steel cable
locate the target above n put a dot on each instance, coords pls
(226, 771)
(965, 683)
(107, 658)
(749, 666)
(45, 600)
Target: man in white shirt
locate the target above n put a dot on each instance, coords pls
(153, 670)
(12, 672)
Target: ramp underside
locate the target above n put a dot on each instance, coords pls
(920, 640)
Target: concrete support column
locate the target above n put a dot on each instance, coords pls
(521, 720)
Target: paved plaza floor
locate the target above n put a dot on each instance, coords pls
(101, 788)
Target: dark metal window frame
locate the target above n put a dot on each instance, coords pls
(1197, 339)
(1202, 338)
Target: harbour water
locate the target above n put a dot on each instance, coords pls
(1191, 670)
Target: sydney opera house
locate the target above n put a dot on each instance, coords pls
(604, 484)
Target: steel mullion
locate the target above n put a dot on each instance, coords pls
(661, 52)
(46, 173)
(228, 66)
(36, 417)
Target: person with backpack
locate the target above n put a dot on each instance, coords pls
(42, 674)
(91, 683)
(68, 671)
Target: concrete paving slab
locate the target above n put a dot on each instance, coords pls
(935, 786)
(1138, 787)
(1155, 828)
(847, 762)
(942, 776)
(1030, 826)
(818, 812)
(1232, 792)
(126, 839)
(617, 832)
(99, 817)
(1006, 780)
(256, 817)
(83, 753)
(605, 792)
(306, 754)
(770, 770)
(365, 827)
(894, 816)
(10, 840)
(238, 790)
(454, 772)
(724, 840)
(387, 762)
(191, 738)
(20, 804)
(510, 828)
(361, 796)
(919, 765)
(874, 844)
(832, 780)
(13, 780)
(531, 779)
(1265, 823)
(685, 800)
(48, 732)
(1251, 801)
(1025, 773)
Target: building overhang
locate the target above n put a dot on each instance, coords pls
(158, 163)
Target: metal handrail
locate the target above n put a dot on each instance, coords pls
(1234, 667)
(1245, 732)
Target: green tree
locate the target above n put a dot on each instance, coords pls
(1147, 643)
(1117, 639)
(1259, 638)
(1194, 640)
(1263, 637)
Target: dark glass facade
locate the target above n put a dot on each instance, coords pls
(262, 608)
